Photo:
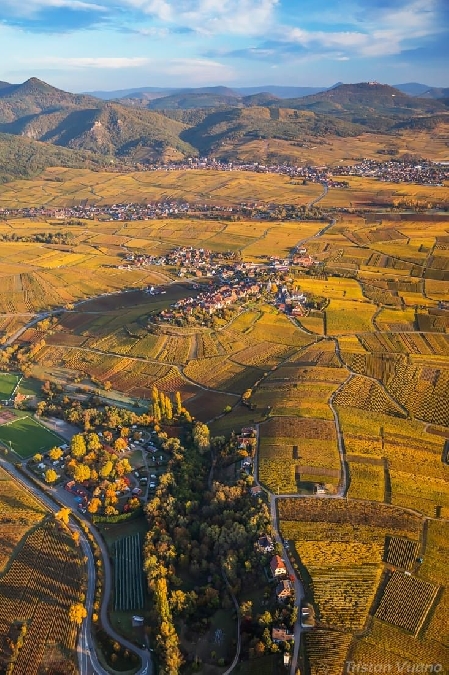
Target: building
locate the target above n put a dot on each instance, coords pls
(265, 544)
(281, 634)
(256, 491)
(277, 566)
(284, 590)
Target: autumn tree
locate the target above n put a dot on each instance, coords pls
(51, 476)
(55, 454)
(77, 613)
(81, 473)
(78, 446)
(94, 505)
(201, 437)
(63, 515)
(178, 402)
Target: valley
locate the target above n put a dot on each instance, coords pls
(224, 377)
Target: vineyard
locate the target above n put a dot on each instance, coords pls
(128, 584)
(295, 453)
(44, 579)
(325, 651)
(353, 513)
(402, 553)
(343, 594)
(406, 602)
(361, 392)
(19, 512)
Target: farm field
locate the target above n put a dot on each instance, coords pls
(43, 580)
(224, 188)
(19, 512)
(338, 551)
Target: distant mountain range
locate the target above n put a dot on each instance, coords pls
(151, 126)
(410, 88)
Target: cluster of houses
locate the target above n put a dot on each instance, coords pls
(397, 170)
(231, 282)
(216, 297)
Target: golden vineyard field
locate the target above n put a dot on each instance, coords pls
(367, 364)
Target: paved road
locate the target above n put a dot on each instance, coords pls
(299, 588)
(87, 657)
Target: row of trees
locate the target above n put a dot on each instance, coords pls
(197, 531)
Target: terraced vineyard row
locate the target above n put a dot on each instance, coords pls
(128, 586)
(43, 581)
(402, 552)
(406, 602)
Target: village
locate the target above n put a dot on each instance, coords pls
(227, 282)
(413, 170)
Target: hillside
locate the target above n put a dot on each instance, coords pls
(187, 100)
(375, 105)
(214, 120)
(34, 97)
(22, 157)
(41, 112)
(237, 125)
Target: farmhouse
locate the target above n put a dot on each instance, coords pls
(277, 566)
(281, 634)
(284, 590)
(265, 544)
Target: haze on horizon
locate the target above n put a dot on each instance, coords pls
(82, 45)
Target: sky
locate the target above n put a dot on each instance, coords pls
(86, 45)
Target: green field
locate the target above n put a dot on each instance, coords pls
(8, 382)
(28, 437)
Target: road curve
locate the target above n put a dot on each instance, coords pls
(87, 656)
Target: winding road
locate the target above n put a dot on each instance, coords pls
(87, 657)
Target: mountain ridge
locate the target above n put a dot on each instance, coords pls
(213, 120)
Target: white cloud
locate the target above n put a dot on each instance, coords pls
(29, 7)
(236, 17)
(90, 62)
(196, 71)
(379, 33)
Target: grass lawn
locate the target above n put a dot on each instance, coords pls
(30, 387)
(8, 382)
(28, 437)
(111, 532)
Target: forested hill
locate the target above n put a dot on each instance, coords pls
(213, 120)
(22, 157)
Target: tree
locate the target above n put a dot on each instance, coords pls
(106, 469)
(78, 446)
(120, 444)
(51, 476)
(201, 437)
(94, 505)
(55, 454)
(37, 458)
(93, 442)
(77, 613)
(63, 515)
(81, 473)
(178, 402)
